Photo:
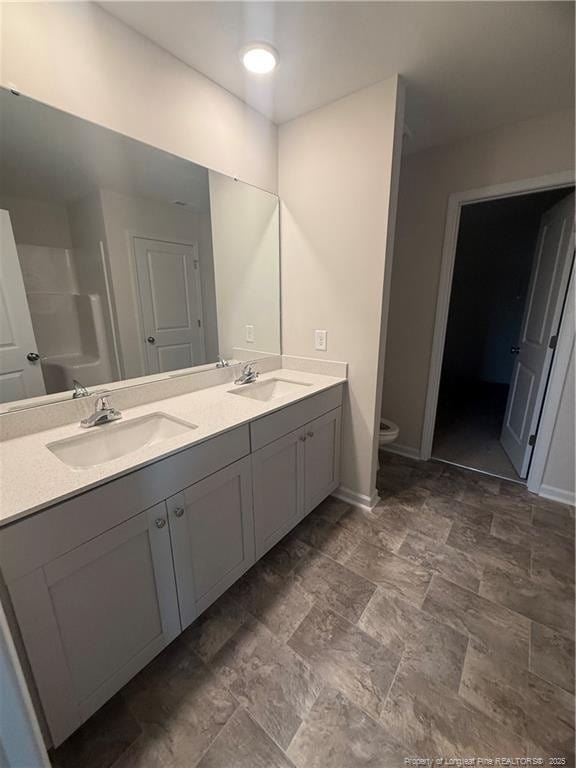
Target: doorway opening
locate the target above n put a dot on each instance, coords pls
(512, 262)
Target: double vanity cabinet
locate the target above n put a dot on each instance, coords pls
(102, 582)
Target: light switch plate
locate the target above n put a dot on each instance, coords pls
(250, 333)
(321, 340)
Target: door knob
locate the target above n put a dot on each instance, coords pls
(160, 522)
(33, 357)
(514, 350)
(151, 340)
(179, 512)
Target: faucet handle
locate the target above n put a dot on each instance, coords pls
(102, 401)
(79, 390)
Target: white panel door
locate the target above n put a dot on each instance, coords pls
(548, 282)
(171, 304)
(20, 377)
(92, 618)
(212, 532)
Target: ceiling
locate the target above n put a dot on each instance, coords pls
(469, 66)
(46, 154)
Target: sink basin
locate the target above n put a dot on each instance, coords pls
(269, 389)
(111, 441)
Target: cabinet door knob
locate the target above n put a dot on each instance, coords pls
(302, 438)
(310, 434)
(160, 522)
(33, 357)
(179, 512)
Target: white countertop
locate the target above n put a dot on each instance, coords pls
(33, 478)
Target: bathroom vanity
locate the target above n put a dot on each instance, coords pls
(106, 563)
(115, 537)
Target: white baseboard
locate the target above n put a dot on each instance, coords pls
(557, 494)
(403, 450)
(357, 499)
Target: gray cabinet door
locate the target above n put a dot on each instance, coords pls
(212, 531)
(93, 617)
(321, 458)
(278, 489)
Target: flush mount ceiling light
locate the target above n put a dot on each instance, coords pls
(259, 58)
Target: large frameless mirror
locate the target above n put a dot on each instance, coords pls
(119, 260)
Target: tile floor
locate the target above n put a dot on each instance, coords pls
(441, 625)
(468, 426)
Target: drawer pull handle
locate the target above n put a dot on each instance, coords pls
(160, 522)
(302, 438)
(310, 434)
(179, 512)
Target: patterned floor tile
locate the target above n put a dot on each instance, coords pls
(214, 627)
(458, 511)
(492, 625)
(557, 519)
(433, 648)
(439, 625)
(278, 601)
(552, 607)
(488, 549)
(552, 656)
(268, 679)
(347, 658)
(243, 744)
(339, 735)
(369, 527)
(332, 509)
(338, 587)
(448, 562)
(434, 722)
(332, 539)
(519, 699)
(101, 740)
(181, 709)
(552, 565)
(417, 518)
(386, 569)
(286, 555)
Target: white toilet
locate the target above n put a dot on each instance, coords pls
(388, 432)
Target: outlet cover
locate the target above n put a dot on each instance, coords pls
(250, 334)
(321, 340)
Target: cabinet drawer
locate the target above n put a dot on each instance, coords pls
(270, 428)
(30, 543)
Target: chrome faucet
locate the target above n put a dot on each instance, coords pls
(222, 362)
(248, 375)
(79, 390)
(103, 412)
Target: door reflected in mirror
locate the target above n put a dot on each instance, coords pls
(119, 260)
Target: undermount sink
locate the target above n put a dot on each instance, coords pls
(111, 441)
(269, 389)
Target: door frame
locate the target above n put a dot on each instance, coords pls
(561, 359)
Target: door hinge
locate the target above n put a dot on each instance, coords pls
(553, 341)
(532, 440)
(195, 263)
(199, 323)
